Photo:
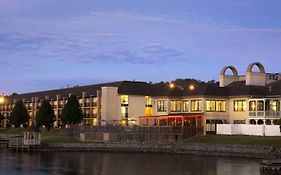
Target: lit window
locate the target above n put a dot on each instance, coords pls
(210, 105)
(175, 105)
(148, 101)
(185, 106)
(220, 106)
(239, 105)
(161, 105)
(124, 100)
(148, 111)
(196, 105)
(252, 106)
(272, 105)
(260, 105)
(148, 106)
(124, 112)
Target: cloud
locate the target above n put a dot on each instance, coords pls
(106, 41)
(86, 43)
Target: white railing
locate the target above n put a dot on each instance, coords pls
(265, 114)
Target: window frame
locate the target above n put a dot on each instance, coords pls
(161, 106)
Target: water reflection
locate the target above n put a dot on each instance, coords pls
(122, 163)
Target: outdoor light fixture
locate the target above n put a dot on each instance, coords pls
(191, 87)
(172, 85)
(2, 99)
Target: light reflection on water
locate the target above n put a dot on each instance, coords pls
(101, 163)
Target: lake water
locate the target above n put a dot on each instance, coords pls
(101, 163)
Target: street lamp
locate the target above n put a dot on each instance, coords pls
(191, 87)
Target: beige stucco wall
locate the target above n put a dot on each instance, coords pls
(227, 79)
(255, 78)
(136, 107)
(109, 104)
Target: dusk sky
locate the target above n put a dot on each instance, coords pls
(48, 44)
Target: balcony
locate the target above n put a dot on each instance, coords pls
(264, 114)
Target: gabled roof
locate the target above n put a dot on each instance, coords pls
(200, 90)
(207, 90)
(239, 88)
(124, 87)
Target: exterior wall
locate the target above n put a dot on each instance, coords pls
(227, 79)
(136, 107)
(255, 78)
(109, 105)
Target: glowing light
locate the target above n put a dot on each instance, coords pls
(172, 85)
(191, 87)
(123, 122)
(95, 120)
(2, 100)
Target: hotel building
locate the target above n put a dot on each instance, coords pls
(253, 98)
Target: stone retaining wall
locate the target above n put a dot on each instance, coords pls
(199, 149)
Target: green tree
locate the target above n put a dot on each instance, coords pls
(71, 113)
(19, 115)
(45, 116)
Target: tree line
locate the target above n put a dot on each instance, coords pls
(45, 116)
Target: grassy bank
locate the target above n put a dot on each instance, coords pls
(61, 136)
(52, 136)
(244, 140)
(57, 136)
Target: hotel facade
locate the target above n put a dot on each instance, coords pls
(252, 98)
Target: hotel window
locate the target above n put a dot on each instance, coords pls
(124, 100)
(260, 105)
(239, 105)
(220, 106)
(196, 105)
(94, 112)
(272, 105)
(161, 105)
(81, 102)
(148, 101)
(148, 106)
(148, 111)
(185, 106)
(252, 106)
(210, 105)
(124, 112)
(175, 105)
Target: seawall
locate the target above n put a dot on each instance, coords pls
(247, 151)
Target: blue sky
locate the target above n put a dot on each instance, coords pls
(47, 44)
